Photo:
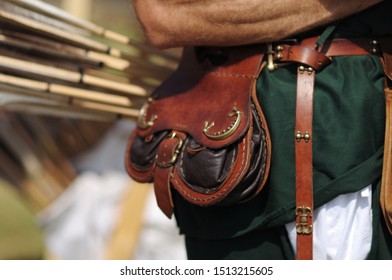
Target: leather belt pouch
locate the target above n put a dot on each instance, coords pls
(203, 131)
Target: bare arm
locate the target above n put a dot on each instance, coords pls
(177, 23)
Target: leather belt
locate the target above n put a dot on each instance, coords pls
(311, 58)
(307, 52)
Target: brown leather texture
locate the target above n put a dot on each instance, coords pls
(308, 53)
(306, 56)
(240, 182)
(304, 164)
(203, 132)
(202, 92)
(386, 48)
(386, 182)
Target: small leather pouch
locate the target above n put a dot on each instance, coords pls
(203, 132)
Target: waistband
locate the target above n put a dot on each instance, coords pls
(316, 57)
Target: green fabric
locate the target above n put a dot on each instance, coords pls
(20, 236)
(348, 131)
(348, 135)
(271, 244)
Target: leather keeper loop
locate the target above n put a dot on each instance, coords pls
(169, 149)
(307, 56)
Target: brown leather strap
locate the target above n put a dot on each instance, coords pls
(166, 157)
(386, 181)
(303, 163)
(163, 192)
(306, 55)
(339, 47)
(306, 51)
(386, 49)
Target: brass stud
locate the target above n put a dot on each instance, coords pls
(374, 46)
(271, 66)
(299, 136)
(306, 136)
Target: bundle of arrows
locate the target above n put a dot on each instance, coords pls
(55, 63)
(63, 81)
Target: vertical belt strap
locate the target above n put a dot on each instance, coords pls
(162, 190)
(386, 181)
(166, 157)
(303, 163)
(386, 187)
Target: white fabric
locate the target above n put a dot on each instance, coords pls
(159, 238)
(79, 223)
(342, 227)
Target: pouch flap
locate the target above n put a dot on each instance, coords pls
(209, 102)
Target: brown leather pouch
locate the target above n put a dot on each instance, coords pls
(203, 132)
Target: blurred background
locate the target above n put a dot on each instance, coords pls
(64, 191)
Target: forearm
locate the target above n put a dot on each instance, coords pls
(174, 23)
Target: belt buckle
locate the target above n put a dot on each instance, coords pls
(168, 150)
(276, 52)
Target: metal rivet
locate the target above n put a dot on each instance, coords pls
(299, 136)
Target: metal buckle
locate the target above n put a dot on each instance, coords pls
(304, 226)
(276, 53)
(163, 163)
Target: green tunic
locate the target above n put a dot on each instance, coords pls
(348, 135)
